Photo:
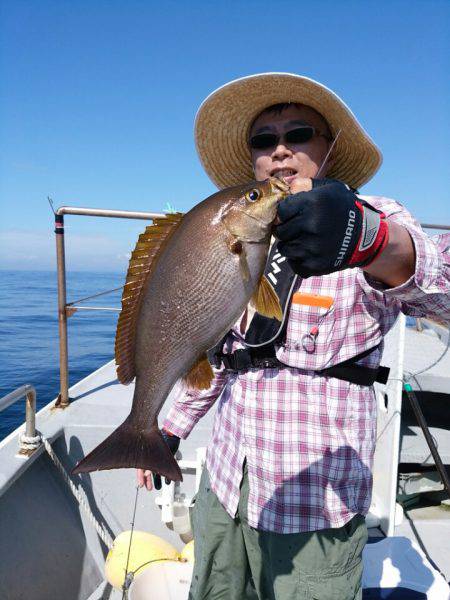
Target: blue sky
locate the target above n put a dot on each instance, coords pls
(98, 99)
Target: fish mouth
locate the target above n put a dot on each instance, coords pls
(279, 184)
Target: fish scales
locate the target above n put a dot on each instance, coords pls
(198, 287)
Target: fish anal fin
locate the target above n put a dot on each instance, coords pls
(265, 300)
(143, 260)
(200, 376)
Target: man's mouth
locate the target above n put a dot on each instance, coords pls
(287, 174)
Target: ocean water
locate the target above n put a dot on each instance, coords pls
(29, 344)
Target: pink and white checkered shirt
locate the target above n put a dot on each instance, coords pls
(308, 439)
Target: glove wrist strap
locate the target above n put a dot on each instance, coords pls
(373, 239)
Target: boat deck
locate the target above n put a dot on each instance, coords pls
(62, 535)
(66, 543)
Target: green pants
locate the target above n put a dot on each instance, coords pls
(234, 561)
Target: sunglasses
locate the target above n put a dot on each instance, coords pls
(299, 135)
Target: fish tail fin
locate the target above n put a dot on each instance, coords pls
(130, 447)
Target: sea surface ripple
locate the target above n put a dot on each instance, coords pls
(29, 345)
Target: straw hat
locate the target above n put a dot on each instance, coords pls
(223, 122)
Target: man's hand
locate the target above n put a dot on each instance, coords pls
(301, 184)
(328, 229)
(144, 477)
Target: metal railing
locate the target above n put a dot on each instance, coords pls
(65, 309)
(30, 439)
(430, 226)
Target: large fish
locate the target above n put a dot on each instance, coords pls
(190, 278)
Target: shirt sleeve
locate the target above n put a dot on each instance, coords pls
(427, 291)
(191, 405)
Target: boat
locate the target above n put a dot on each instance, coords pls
(58, 531)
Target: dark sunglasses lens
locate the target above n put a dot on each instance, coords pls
(263, 140)
(300, 135)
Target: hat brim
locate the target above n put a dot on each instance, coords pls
(223, 122)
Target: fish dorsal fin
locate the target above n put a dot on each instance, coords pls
(265, 300)
(200, 376)
(143, 260)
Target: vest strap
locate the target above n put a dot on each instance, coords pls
(265, 358)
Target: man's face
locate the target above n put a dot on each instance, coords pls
(291, 161)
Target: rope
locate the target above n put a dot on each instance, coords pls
(30, 442)
(130, 575)
(102, 533)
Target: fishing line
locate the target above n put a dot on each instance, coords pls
(328, 154)
(50, 201)
(127, 580)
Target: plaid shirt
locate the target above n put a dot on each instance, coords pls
(308, 439)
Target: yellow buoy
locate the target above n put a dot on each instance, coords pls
(145, 547)
(188, 552)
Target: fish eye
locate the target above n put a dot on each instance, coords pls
(253, 195)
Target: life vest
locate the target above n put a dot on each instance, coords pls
(263, 336)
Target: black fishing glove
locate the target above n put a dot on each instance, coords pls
(173, 441)
(329, 229)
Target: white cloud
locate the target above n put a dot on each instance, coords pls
(22, 249)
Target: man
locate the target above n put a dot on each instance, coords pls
(281, 505)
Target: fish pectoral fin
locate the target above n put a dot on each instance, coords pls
(243, 265)
(200, 376)
(265, 300)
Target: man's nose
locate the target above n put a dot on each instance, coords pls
(281, 151)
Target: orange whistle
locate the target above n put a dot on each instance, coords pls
(312, 300)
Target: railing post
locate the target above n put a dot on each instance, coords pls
(63, 398)
(30, 411)
(30, 439)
